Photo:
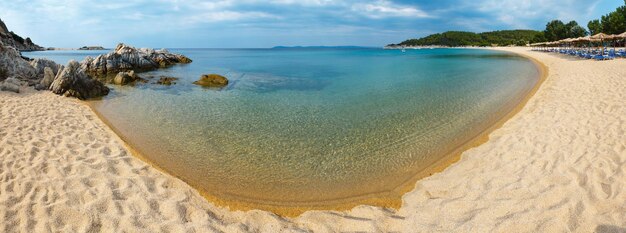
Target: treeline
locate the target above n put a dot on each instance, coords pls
(611, 23)
(458, 38)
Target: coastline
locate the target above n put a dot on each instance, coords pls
(385, 199)
(470, 195)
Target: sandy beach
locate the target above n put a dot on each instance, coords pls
(558, 165)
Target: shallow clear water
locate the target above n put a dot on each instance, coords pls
(298, 126)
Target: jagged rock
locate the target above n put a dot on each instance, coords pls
(13, 65)
(212, 80)
(47, 80)
(40, 63)
(10, 84)
(123, 78)
(72, 81)
(126, 58)
(164, 80)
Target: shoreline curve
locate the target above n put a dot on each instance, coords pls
(390, 199)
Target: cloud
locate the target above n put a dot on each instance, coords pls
(262, 23)
(383, 9)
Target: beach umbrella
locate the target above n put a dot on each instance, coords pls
(602, 37)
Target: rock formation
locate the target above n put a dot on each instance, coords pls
(72, 81)
(123, 78)
(164, 80)
(11, 39)
(212, 80)
(126, 58)
(13, 65)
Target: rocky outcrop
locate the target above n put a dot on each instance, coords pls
(72, 81)
(126, 58)
(11, 39)
(13, 65)
(123, 78)
(212, 80)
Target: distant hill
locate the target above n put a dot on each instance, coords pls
(460, 38)
(11, 39)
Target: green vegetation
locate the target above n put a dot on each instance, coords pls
(457, 38)
(611, 23)
(557, 30)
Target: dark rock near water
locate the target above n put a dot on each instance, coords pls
(72, 81)
(126, 58)
(212, 80)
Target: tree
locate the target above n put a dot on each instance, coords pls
(594, 26)
(614, 22)
(539, 37)
(555, 30)
(577, 31)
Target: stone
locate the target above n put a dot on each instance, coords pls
(10, 84)
(164, 80)
(48, 78)
(40, 63)
(13, 65)
(123, 78)
(72, 81)
(212, 80)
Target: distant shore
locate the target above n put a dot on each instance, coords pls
(553, 166)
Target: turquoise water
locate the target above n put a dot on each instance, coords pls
(308, 126)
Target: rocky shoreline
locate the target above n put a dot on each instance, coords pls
(81, 80)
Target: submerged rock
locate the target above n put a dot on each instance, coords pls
(125, 58)
(123, 78)
(212, 80)
(164, 80)
(72, 81)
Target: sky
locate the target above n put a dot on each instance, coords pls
(261, 24)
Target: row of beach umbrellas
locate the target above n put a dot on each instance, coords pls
(600, 37)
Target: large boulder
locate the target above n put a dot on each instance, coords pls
(212, 80)
(40, 63)
(10, 84)
(48, 78)
(72, 81)
(126, 58)
(12, 64)
(123, 78)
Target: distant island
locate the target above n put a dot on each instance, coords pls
(91, 48)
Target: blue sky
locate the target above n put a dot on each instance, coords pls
(257, 24)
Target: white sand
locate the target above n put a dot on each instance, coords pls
(559, 165)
